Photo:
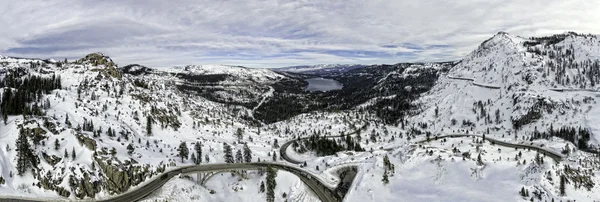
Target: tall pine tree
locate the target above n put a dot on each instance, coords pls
(247, 154)
(271, 184)
(239, 157)
(25, 157)
(198, 149)
(183, 151)
(149, 125)
(562, 186)
(228, 156)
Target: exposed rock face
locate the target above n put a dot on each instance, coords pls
(52, 184)
(85, 187)
(119, 177)
(86, 141)
(63, 192)
(97, 59)
(51, 159)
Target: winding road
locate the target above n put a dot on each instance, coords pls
(284, 146)
(324, 193)
(552, 154)
(318, 187)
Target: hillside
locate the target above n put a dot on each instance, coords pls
(519, 88)
(88, 129)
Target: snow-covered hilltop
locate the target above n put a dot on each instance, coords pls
(514, 86)
(238, 73)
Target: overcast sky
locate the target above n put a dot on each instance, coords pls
(269, 33)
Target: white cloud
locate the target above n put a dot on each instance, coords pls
(267, 33)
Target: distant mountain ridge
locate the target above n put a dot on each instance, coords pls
(320, 69)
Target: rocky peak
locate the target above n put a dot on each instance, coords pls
(97, 59)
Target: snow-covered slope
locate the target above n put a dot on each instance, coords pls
(104, 130)
(512, 86)
(236, 72)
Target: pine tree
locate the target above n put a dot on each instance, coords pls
(193, 158)
(183, 151)
(562, 186)
(198, 149)
(130, 149)
(239, 134)
(274, 156)
(386, 163)
(25, 157)
(275, 144)
(56, 145)
(262, 187)
(149, 125)
(73, 154)
(66, 153)
(67, 122)
(228, 156)
(247, 154)
(238, 156)
(271, 184)
(385, 179)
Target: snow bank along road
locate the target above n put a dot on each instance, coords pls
(552, 154)
(324, 193)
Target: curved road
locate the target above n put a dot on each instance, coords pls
(552, 154)
(324, 193)
(284, 146)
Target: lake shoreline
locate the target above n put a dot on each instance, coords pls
(319, 84)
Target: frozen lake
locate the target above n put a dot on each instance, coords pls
(322, 84)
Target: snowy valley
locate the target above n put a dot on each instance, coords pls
(515, 120)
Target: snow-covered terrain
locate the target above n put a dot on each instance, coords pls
(228, 187)
(105, 130)
(95, 93)
(510, 88)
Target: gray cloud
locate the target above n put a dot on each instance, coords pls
(266, 33)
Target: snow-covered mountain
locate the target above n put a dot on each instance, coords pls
(513, 86)
(541, 91)
(95, 129)
(320, 69)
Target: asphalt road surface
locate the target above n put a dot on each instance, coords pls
(552, 154)
(284, 146)
(324, 193)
